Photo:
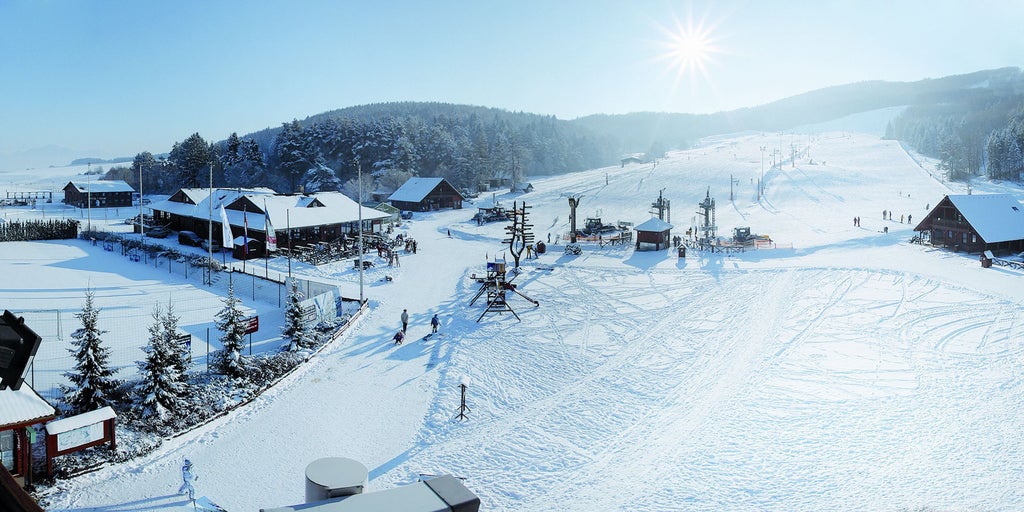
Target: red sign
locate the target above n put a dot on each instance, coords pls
(252, 324)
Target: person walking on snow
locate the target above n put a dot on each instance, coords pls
(399, 337)
(188, 475)
(405, 320)
(434, 322)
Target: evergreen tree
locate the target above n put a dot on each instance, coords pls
(93, 384)
(295, 328)
(231, 322)
(190, 158)
(163, 384)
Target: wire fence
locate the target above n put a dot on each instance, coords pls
(196, 295)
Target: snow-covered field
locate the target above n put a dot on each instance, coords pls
(845, 370)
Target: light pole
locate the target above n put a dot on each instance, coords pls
(760, 180)
(142, 225)
(209, 230)
(359, 195)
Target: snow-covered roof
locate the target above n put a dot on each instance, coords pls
(297, 211)
(18, 407)
(996, 217)
(414, 190)
(98, 186)
(653, 224)
(80, 420)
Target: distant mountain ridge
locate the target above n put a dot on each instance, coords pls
(639, 130)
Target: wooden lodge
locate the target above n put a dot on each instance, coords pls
(975, 223)
(426, 194)
(295, 218)
(101, 193)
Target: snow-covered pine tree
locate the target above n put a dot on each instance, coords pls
(93, 384)
(163, 383)
(169, 330)
(295, 328)
(230, 321)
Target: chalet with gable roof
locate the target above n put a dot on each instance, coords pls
(295, 218)
(102, 193)
(426, 194)
(975, 223)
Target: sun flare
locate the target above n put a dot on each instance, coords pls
(689, 49)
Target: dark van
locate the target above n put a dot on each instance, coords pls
(189, 238)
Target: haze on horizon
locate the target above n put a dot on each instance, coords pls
(112, 79)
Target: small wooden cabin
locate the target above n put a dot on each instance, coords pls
(19, 410)
(653, 234)
(426, 194)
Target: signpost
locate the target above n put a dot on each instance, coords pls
(252, 324)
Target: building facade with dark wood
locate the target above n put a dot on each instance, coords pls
(100, 193)
(975, 223)
(426, 194)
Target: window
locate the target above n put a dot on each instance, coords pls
(7, 449)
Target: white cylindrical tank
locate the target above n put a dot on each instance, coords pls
(333, 477)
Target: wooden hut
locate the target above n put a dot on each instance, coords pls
(653, 234)
(975, 223)
(19, 410)
(426, 194)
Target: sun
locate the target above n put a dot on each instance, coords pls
(689, 49)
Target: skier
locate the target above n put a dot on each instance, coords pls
(405, 320)
(434, 322)
(399, 337)
(909, 217)
(188, 475)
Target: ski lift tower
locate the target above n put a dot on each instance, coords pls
(574, 201)
(707, 214)
(662, 207)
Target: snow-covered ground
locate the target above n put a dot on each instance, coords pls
(844, 370)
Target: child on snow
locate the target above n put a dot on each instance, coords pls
(434, 322)
(188, 475)
(399, 337)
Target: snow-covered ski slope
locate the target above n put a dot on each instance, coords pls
(844, 370)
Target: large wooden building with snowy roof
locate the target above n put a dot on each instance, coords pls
(426, 194)
(298, 218)
(101, 193)
(976, 223)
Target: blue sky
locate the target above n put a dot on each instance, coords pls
(113, 78)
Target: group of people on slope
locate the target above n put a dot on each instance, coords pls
(400, 335)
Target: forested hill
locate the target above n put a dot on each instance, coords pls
(466, 144)
(966, 120)
(954, 94)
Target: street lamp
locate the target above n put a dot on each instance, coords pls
(359, 195)
(760, 180)
(142, 225)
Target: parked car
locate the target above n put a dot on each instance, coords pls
(406, 214)
(158, 232)
(189, 238)
(205, 244)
